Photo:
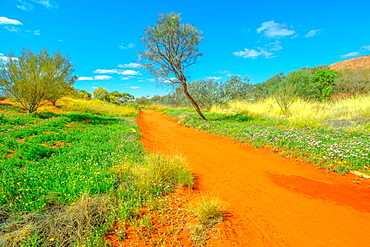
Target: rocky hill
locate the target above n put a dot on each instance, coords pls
(353, 63)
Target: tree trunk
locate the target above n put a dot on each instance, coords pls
(185, 87)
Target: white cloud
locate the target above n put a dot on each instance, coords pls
(47, 3)
(271, 29)
(116, 71)
(85, 78)
(2, 57)
(312, 33)
(5, 58)
(165, 81)
(7, 21)
(24, 6)
(36, 32)
(252, 53)
(126, 78)
(130, 65)
(129, 46)
(97, 77)
(265, 53)
(222, 71)
(351, 54)
(129, 72)
(12, 28)
(366, 48)
(275, 46)
(247, 53)
(106, 71)
(102, 77)
(213, 78)
(134, 87)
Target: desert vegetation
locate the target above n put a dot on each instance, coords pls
(334, 135)
(67, 177)
(73, 171)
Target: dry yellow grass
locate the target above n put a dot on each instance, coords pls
(209, 210)
(166, 172)
(304, 113)
(98, 107)
(60, 225)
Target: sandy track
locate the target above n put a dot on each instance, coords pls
(273, 201)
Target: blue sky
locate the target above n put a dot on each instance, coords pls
(257, 39)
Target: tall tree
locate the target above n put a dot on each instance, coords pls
(171, 48)
(31, 77)
(101, 93)
(235, 88)
(60, 88)
(116, 96)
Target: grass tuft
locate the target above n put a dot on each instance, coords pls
(161, 174)
(60, 225)
(209, 211)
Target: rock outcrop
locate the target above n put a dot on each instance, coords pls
(353, 63)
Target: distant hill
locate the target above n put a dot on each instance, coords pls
(353, 63)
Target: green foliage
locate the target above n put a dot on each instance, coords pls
(324, 80)
(82, 94)
(352, 81)
(63, 180)
(303, 81)
(35, 77)
(210, 92)
(160, 175)
(264, 90)
(73, 161)
(205, 92)
(235, 88)
(118, 97)
(101, 94)
(171, 48)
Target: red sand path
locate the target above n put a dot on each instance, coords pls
(273, 201)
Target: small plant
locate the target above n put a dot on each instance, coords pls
(209, 211)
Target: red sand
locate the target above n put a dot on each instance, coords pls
(273, 201)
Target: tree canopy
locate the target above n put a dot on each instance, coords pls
(171, 48)
(31, 77)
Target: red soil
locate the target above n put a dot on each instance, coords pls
(272, 200)
(170, 221)
(353, 63)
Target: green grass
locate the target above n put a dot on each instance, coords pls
(339, 149)
(67, 170)
(38, 173)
